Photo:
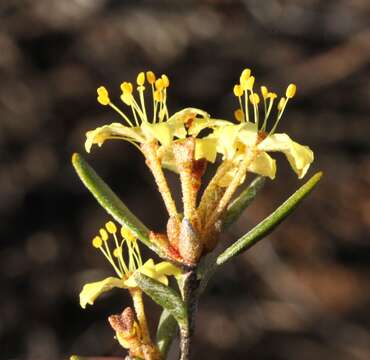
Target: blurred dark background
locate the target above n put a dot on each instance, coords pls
(304, 292)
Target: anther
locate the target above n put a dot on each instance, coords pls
(166, 81)
(103, 96)
(246, 73)
(264, 92)
(249, 83)
(238, 91)
(97, 242)
(290, 91)
(103, 234)
(159, 84)
(126, 87)
(140, 80)
(254, 99)
(150, 76)
(158, 96)
(281, 103)
(111, 227)
(127, 234)
(117, 252)
(239, 115)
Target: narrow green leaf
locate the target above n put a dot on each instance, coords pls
(166, 331)
(164, 296)
(269, 223)
(236, 208)
(111, 203)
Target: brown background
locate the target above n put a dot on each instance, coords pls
(301, 294)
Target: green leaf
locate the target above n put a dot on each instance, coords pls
(236, 208)
(269, 223)
(111, 203)
(166, 331)
(164, 296)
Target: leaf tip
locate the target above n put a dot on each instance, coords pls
(75, 158)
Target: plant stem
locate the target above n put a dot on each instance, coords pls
(189, 293)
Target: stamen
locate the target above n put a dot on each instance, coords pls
(255, 99)
(111, 227)
(103, 234)
(239, 115)
(238, 92)
(246, 73)
(140, 80)
(97, 242)
(103, 96)
(291, 91)
(150, 76)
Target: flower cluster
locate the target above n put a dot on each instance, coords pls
(176, 143)
(185, 143)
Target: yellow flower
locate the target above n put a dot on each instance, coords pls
(123, 268)
(140, 127)
(251, 134)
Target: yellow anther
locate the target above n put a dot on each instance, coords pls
(281, 103)
(126, 98)
(103, 96)
(111, 227)
(290, 91)
(254, 99)
(117, 252)
(140, 80)
(166, 81)
(249, 83)
(150, 76)
(103, 234)
(127, 87)
(264, 92)
(246, 73)
(158, 96)
(127, 234)
(238, 91)
(97, 242)
(239, 115)
(159, 84)
(272, 95)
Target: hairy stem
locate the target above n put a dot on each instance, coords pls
(230, 190)
(152, 160)
(189, 292)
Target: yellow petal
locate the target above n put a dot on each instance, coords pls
(167, 158)
(197, 125)
(159, 131)
(227, 139)
(90, 292)
(166, 268)
(263, 165)
(206, 148)
(112, 131)
(299, 156)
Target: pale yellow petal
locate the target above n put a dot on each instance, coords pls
(112, 131)
(165, 154)
(227, 136)
(166, 268)
(159, 131)
(90, 292)
(206, 148)
(299, 156)
(197, 125)
(263, 165)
